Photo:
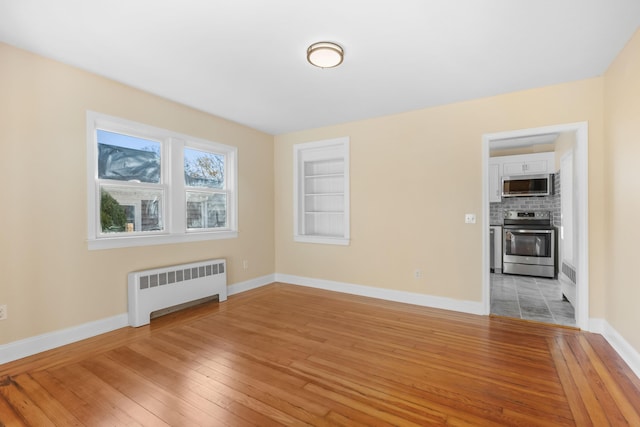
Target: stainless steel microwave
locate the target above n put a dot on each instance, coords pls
(527, 185)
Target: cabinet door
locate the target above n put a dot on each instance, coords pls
(495, 183)
(536, 166)
(513, 168)
(529, 167)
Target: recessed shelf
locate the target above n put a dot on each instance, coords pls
(321, 177)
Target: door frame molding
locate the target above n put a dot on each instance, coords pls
(581, 161)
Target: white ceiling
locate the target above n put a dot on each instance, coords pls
(244, 60)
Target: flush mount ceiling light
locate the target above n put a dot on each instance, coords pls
(325, 54)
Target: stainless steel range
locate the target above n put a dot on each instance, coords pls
(529, 243)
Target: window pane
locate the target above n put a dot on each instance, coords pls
(127, 158)
(205, 210)
(203, 169)
(126, 209)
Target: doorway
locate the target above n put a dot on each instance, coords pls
(575, 270)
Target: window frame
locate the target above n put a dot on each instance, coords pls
(172, 182)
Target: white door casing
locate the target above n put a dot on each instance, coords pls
(581, 204)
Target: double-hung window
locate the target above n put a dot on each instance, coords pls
(151, 186)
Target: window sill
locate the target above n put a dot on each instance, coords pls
(157, 239)
(323, 240)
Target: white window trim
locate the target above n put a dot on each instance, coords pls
(174, 207)
(299, 150)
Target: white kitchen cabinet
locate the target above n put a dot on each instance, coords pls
(528, 164)
(522, 164)
(495, 182)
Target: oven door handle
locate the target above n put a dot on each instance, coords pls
(523, 231)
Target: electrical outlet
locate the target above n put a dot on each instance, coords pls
(3, 312)
(470, 218)
(245, 265)
(417, 274)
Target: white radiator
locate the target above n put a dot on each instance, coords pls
(152, 290)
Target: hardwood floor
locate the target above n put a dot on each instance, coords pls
(288, 355)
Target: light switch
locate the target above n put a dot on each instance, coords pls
(470, 218)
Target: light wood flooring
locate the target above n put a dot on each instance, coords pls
(288, 355)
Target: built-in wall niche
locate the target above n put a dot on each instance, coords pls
(321, 191)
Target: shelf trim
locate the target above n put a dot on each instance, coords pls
(326, 175)
(324, 212)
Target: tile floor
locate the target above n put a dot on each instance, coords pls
(530, 298)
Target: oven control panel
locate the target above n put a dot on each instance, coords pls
(524, 215)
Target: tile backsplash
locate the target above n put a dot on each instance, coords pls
(540, 203)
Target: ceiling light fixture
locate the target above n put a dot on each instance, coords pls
(325, 54)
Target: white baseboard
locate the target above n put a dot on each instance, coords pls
(240, 287)
(471, 307)
(597, 326)
(625, 350)
(37, 344)
(33, 345)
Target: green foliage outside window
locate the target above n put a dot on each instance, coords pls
(112, 216)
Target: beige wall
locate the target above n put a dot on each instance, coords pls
(415, 175)
(622, 119)
(566, 142)
(49, 279)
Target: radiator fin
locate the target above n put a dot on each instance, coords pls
(569, 271)
(174, 276)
